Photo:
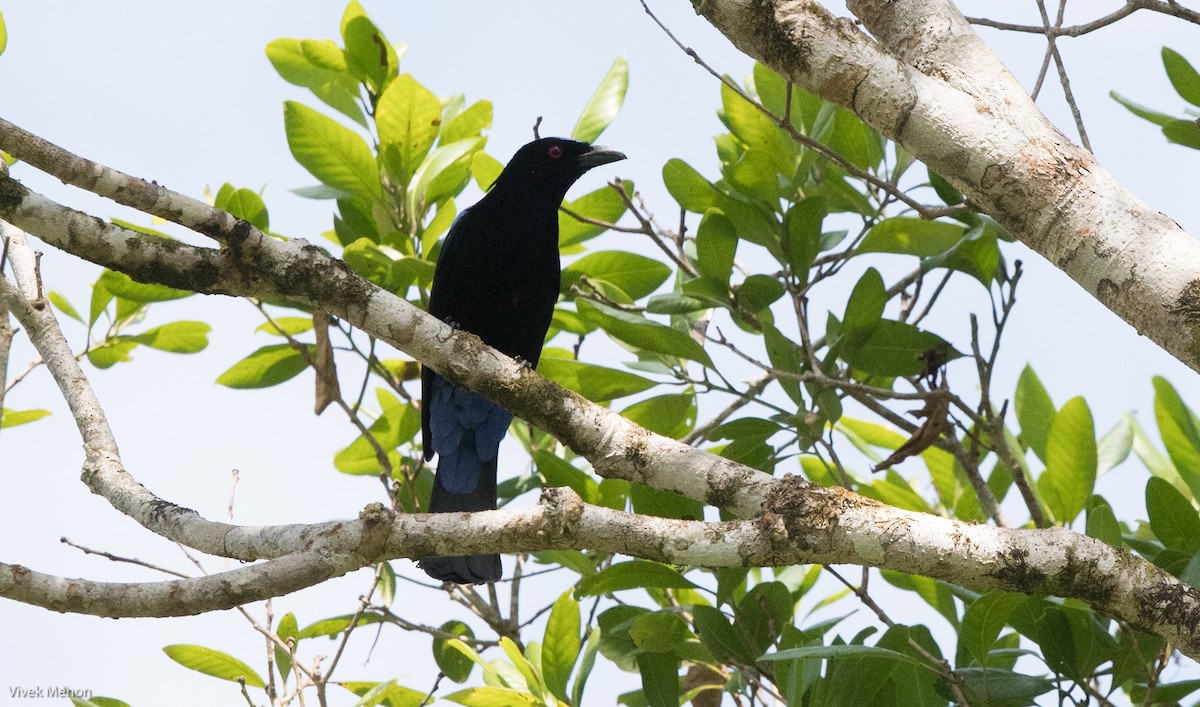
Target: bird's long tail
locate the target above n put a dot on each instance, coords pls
(466, 432)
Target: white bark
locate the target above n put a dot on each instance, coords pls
(925, 79)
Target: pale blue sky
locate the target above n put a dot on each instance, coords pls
(182, 93)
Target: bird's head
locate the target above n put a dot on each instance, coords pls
(551, 165)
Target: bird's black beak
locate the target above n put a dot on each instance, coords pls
(598, 156)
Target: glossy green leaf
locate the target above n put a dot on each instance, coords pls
(688, 187)
(286, 630)
(848, 135)
(585, 666)
(368, 52)
(1115, 445)
(408, 118)
(486, 170)
(213, 662)
(469, 123)
(453, 663)
(642, 333)
(332, 153)
(3, 35)
(660, 678)
(291, 326)
(267, 366)
(833, 652)
(386, 693)
(1183, 76)
(897, 349)
(720, 637)
(802, 235)
(976, 254)
(1183, 132)
(633, 574)
(1001, 688)
(398, 424)
(604, 104)
(1102, 523)
(13, 418)
(864, 309)
(338, 624)
(60, 301)
(595, 383)
(649, 501)
(561, 645)
(911, 236)
(123, 286)
(243, 204)
(659, 631)
(982, 622)
(668, 415)
(1070, 472)
(431, 172)
(493, 697)
(176, 337)
(636, 275)
(716, 244)
(1180, 434)
(1173, 518)
(1035, 411)
(111, 352)
(320, 66)
(760, 136)
(1142, 111)
(603, 204)
(773, 91)
(758, 292)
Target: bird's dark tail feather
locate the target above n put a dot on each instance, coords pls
(467, 569)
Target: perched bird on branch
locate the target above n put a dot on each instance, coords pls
(498, 278)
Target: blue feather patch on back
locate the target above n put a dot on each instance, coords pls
(466, 430)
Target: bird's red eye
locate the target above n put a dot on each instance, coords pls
(555, 152)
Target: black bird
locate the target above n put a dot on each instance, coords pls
(498, 278)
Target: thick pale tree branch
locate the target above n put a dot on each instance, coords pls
(794, 521)
(925, 79)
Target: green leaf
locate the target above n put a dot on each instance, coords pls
(1001, 688)
(716, 244)
(636, 275)
(332, 153)
(595, 383)
(430, 177)
(634, 574)
(911, 236)
(214, 663)
(642, 333)
(338, 624)
(12, 418)
(487, 169)
(649, 501)
(982, 622)
(1183, 132)
(386, 693)
(1115, 445)
(560, 648)
(1070, 472)
(864, 309)
(1173, 518)
(668, 415)
(659, 631)
(64, 306)
(453, 663)
(408, 117)
(291, 326)
(660, 678)
(3, 34)
(1102, 523)
(605, 204)
(243, 204)
(802, 234)
(111, 352)
(493, 697)
(758, 292)
(843, 651)
(398, 424)
(469, 123)
(604, 104)
(320, 66)
(848, 135)
(897, 349)
(123, 286)
(720, 637)
(688, 187)
(1142, 111)
(976, 254)
(1035, 411)
(1178, 428)
(267, 366)
(585, 666)
(368, 52)
(176, 337)
(1183, 76)
(286, 629)
(556, 471)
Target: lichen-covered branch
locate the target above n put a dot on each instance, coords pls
(923, 78)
